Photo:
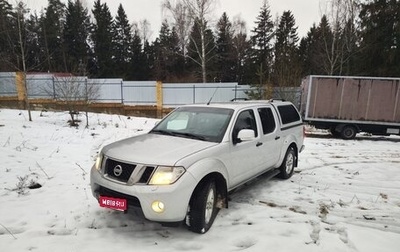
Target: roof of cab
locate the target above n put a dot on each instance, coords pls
(236, 104)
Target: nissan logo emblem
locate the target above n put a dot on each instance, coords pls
(117, 170)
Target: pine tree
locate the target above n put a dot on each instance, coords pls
(76, 37)
(262, 49)
(102, 37)
(137, 62)
(34, 53)
(323, 47)
(287, 68)
(306, 52)
(161, 50)
(51, 40)
(5, 29)
(176, 66)
(242, 48)
(122, 43)
(225, 67)
(380, 38)
(168, 58)
(315, 53)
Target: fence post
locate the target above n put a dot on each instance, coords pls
(159, 98)
(194, 94)
(236, 86)
(54, 88)
(122, 92)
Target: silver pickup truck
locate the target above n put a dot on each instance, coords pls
(183, 169)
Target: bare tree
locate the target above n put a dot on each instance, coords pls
(145, 30)
(181, 21)
(20, 51)
(186, 13)
(198, 12)
(340, 47)
(74, 92)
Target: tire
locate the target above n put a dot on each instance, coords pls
(334, 132)
(203, 208)
(287, 166)
(348, 132)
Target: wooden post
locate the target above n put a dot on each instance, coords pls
(19, 82)
(21, 92)
(159, 98)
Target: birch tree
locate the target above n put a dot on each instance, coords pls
(194, 13)
(340, 46)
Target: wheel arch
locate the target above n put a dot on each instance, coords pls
(291, 142)
(211, 169)
(296, 151)
(220, 184)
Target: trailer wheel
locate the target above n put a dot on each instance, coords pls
(348, 132)
(334, 132)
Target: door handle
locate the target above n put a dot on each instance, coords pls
(277, 137)
(259, 144)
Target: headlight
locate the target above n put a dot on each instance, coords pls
(99, 159)
(165, 175)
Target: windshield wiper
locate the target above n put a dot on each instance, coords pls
(163, 132)
(175, 133)
(192, 136)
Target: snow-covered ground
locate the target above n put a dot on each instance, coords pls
(345, 195)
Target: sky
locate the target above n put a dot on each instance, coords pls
(343, 197)
(306, 12)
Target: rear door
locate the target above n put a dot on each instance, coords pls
(270, 139)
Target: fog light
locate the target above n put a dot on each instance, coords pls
(157, 206)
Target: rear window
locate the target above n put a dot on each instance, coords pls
(288, 114)
(267, 120)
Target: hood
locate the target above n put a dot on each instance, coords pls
(153, 149)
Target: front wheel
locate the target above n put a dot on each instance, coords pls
(203, 208)
(287, 166)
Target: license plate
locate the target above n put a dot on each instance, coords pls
(113, 203)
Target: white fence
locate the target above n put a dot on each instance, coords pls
(127, 92)
(139, 92)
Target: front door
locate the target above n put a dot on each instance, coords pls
(244, 155)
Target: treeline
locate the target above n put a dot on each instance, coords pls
(352, 38)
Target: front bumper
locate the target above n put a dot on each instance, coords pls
(175, 197)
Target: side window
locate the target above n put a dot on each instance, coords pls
(245, 120)
(267, 120)
(288, 114)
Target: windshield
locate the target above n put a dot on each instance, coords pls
(201, 123)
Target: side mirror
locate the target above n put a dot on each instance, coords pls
(246, 135)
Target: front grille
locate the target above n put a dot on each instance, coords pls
(118, 170)
(146, 174)
(132, 200)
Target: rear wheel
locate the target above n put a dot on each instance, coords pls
(334, 132)
(203, 208)
(287, 166)
(348, 132)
